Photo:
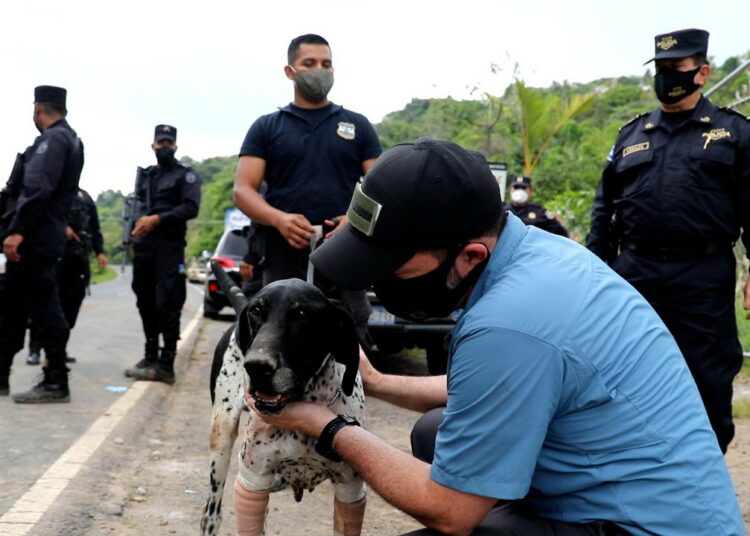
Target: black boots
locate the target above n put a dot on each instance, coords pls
(52, 389)
(151, 356)
(4, 386)
(159, 371)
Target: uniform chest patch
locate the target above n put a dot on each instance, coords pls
(715, 134)
(42, 148)
(635, 148)
(346, 130)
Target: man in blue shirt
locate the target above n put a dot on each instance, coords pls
(311, 154)
(580, 417)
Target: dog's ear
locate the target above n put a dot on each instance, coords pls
(345, 348)
(244, 331)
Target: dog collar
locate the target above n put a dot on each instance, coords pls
(339, 390)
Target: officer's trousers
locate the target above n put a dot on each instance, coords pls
(285, 262)
(507, 517)
(695, 299)
(160, 288)
(29, 290)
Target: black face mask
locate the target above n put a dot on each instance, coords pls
(426, 296)
(672, 86)
(165, 156)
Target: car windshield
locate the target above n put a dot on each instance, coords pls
(233, 244)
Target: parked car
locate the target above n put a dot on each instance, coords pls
(228, 253)
(391, 334)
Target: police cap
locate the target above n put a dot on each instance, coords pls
(521, 182)
(165, 132)
(680, 44)
(50, 94)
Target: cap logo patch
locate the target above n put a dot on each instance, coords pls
(363, 212)
(667, 42)
(715, 134)
(635, 148)
(166, 129)
(346, 130)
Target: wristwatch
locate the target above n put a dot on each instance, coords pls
(324, 446)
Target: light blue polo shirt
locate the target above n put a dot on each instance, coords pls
(565, 387)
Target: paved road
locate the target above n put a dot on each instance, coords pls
(107, 339)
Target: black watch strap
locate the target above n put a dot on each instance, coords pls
(324, 446)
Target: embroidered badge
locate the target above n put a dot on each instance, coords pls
(42, 148)
(346, 130)
(666, 42)
(635, 148)
(705, 119)
(649, 125)
(715, 134)
(191, 177)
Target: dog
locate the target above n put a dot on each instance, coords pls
(289, 343)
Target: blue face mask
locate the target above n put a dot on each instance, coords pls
(426, 296)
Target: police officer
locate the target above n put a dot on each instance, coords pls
(170, 193)
(530, 213)
(668, 209)
(84, 236)
(41, 192)
(311, 154)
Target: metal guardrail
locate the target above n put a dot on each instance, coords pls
(728, 78)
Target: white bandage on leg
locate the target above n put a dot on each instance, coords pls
(348, 517)
(250, 509)
(351, 492)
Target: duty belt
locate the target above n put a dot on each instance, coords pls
(663, 253)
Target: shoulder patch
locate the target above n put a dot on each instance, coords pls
(42, 147)
(636, 118)
(733, 111)
(191, 177)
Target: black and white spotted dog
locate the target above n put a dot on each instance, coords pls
(289, 343)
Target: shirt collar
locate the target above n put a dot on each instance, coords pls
(702, 113)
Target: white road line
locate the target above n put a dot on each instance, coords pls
(30, 507)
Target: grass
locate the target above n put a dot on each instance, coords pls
(100, 276)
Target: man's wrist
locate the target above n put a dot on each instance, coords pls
(324, 445)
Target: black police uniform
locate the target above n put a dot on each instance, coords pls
(50, 171)
(538, 216)
(668, 209)
(158, 257)
(313, 162)
(73, 270)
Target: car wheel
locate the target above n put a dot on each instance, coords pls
(209, 310)
(437, 358)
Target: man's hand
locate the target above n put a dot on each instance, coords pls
(337, 223)
(246, 271)
(11, 245)
(306, 417)
(747, 298)
(295, 229)
(102, 260)
(70, 234)
(145, 225)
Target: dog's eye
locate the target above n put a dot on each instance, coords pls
(299, 313)
(255, 310)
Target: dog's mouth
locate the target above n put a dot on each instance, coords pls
(270, 404)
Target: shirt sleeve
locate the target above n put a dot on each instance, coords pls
(370, 142)
(189, 202)
(503, 390)
(41, 176)
(255, 143)
(744, 189)
(600, 239)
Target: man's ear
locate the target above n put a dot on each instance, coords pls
(702, 76)
(345, 346)
(473, 254)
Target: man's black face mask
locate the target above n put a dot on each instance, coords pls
(426, 296)
(672, 86)
(165, 156)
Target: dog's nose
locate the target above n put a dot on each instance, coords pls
(260, 365)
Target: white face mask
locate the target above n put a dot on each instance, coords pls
(519, 196)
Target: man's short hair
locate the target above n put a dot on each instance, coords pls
(307, 39)
(52, 108)
(699, 60)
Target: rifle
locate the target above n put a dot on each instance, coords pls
(136, 205)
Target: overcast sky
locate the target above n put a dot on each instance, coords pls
(211, 68)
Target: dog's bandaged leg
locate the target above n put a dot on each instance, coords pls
(250, 509)
(348, 517)
(349, 508)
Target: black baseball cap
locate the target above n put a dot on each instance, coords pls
(165, 132)
(50, 94)
(521, 182)
(680, 44)
(429, 194)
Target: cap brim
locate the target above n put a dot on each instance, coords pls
(674, 54)
(351, 262)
